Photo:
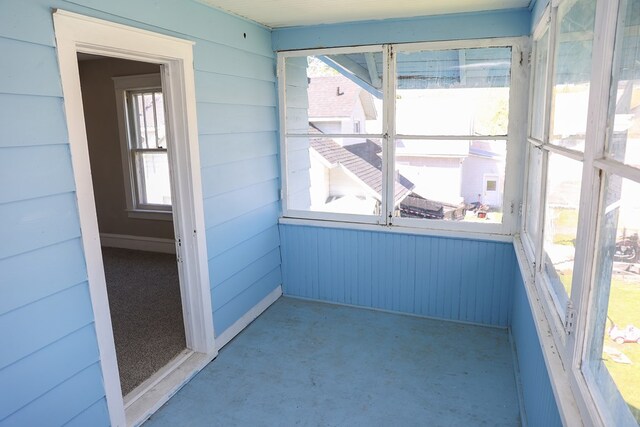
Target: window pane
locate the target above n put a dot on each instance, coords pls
(334, 94)
(154, 186)
(613, 356)
(624, 144)
(532, 211)
(453, 92)
(452, 179)
(564, 178)
(327, 175)
(148, 119)
(539, 89)
(572, 73)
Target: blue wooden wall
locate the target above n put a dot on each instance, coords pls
(500, 23)
(539, 402)
(49, 362)
(446, 278)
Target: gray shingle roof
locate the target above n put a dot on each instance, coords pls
(360, 159)
(335, 96)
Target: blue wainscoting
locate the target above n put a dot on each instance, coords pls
(49, 363)
(445, 278)
(539, 402)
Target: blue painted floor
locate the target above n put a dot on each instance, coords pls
(309, 363)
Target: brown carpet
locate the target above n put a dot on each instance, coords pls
(146, 312)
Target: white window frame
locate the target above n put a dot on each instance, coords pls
(122, 85)
(567, 351)
(515, 138)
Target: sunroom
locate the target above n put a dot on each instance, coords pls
(223, 212)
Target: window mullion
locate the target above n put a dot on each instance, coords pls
(388, 129)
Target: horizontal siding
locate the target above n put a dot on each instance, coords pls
(44, 124)
(197, 20)
(228, 314)
(36, 223)
(257, 269)
(225, 118)
(454, 279)
(45, 309)
(37, 325)
(96, 415)
(241, 228)
(228, 177)
(56, 407)
(230, 205)
(45, 170)
(243, 255)
(33, 71)
(540, 407)
(236, 62)
(229, 148)
(43, 370)
(60, 266)
(225, 89)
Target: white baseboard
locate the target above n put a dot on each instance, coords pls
(249, 317)
(138, 243)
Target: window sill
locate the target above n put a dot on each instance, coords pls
(492, 237)
(151, 215)
(558, 375)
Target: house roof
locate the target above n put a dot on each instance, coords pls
(336, 96)
(360, 159)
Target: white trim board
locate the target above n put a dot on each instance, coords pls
(76, 33)
(138, 243)
(558, 376)
(251, 315)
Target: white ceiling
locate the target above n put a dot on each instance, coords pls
(287, 13)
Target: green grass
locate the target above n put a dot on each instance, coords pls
(624, 309)
(566, 224)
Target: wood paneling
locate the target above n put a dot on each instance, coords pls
(540, 407)
(456, 279)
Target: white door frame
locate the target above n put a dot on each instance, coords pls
(77, 33)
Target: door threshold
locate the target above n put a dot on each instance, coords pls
(148, 397)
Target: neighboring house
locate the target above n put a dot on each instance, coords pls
(465, 171)
(349, 179)
(339, 106)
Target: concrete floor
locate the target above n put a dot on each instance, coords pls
(309, 363)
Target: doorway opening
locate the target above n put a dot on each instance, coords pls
(124, 111)
(173, 58)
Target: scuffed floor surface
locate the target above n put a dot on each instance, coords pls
(316, 364)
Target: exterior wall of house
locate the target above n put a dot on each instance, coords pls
(446, 278)
(473, 170)
(101, 120)
(540, 407)
(320, 183)
(357, 115)
(342, 183)
(435, 178)
(49, 363)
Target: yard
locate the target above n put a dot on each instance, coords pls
(624, 309)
